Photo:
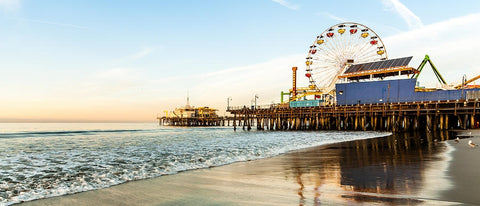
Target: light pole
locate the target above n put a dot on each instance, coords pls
(228, 102)
(464, 79)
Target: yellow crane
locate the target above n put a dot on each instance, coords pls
(467, 82)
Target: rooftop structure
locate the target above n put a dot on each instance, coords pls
(192, 116)
(189, 111)
(379, 69)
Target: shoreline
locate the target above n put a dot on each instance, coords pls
(378, 170)
(463, 169)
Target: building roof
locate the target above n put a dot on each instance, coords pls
(379, 69)
(383, 64)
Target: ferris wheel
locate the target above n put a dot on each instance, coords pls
(338, 47)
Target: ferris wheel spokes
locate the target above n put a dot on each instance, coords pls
(338, 47)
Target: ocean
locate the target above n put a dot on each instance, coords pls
(41, 160)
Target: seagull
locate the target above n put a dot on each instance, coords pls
(457, 140)
(472, 144)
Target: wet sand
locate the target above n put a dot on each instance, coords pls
(406, 169)
(464, 170)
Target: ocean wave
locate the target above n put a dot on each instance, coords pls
(37, 168)
(59, 133)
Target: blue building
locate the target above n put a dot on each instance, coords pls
(399, 90)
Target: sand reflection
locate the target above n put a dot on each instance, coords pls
(391, 170)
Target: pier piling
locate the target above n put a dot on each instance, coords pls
(394, 117)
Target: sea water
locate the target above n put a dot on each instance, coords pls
(52, 159)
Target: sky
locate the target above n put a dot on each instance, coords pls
(129, 61)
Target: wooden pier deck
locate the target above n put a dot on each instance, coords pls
(394, 117)
(195, 121)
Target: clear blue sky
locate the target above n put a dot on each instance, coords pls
(126, 60)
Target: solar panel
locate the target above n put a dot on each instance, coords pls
(352, 68)
(382, 64)
(377, 66)
(359, 68)
(406, 60)
(368, 66)
(395, 62)
(389, 64)
(364, 67)
(401, 62)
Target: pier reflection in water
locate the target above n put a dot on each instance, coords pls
(397, 169)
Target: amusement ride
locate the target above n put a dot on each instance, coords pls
(332, 52)
(351, 51)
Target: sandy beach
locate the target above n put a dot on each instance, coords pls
(406, 169)
(464, 170)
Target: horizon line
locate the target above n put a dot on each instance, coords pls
(71, 121)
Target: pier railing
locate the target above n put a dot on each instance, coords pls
(252, 107)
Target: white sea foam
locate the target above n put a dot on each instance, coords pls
(57, 163)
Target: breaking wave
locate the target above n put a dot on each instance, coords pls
(43, 164)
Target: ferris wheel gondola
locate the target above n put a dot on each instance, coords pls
(338, 47)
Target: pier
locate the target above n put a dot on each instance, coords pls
(357, 87)
(189, 116)
(195, 121)
(394, 117)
